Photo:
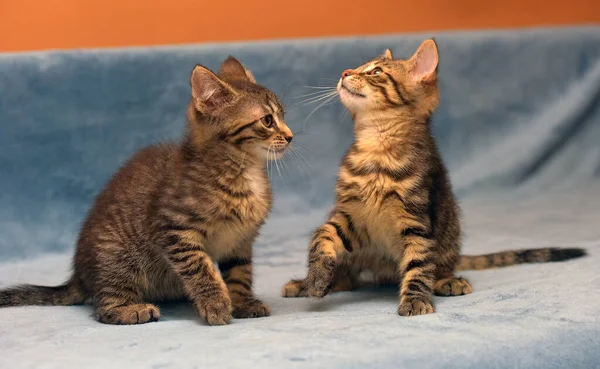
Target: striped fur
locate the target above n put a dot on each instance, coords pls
(395, 215)
(172, 211)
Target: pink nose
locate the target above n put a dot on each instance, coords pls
(347, 72)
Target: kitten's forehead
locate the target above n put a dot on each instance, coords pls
(372, 64)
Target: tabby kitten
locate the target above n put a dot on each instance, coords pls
(171, 211)
(395, 215)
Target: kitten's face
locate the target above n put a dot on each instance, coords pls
(243, 113)
(385, 83)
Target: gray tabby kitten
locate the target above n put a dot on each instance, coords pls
(173, 210)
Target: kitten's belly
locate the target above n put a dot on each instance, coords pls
(375, 266)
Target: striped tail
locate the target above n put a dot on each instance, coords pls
(66, 294)
(515, 257)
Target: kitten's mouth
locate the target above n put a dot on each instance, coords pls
(352, 92)
(276, 150)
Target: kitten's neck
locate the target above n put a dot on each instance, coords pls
(389, 131)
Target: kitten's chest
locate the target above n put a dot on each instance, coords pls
(240, 215)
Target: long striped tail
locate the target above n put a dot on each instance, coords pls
(70, 293)
(515, 257)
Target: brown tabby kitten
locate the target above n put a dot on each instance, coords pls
(395, 215)
(171, 211)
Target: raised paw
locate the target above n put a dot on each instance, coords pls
(320, 277)
(129, 314)
(410, 306)
(215, 310)
(251, 308)
(294, 288)
(452, 286)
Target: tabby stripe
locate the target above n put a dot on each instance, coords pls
(397, 88)
(395, 174)
(190, 272)
(418, 232)
(343, 199)
(392, 194)
(322, 233)
(417, 264)
(174, 227)
(184, 247)
(183, 211)
(182, 257)
(244, 284)
(383, 91)
(230, 192)
(418, 285)
(342, 236)
(232, 263)
(351, 227)
(241, 140)
(240, 129)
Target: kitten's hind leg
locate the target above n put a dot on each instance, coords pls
(128, 314)
(119, 302)
(452, 286)
(345, 280)
(117, 295)
(295, 288)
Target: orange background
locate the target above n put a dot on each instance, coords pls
(39, 24)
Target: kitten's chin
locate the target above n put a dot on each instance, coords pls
(351, 102)
(272, 154)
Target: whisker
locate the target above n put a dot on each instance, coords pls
(318, 98)
(307, 152)
(299, 164)
(303, 165)
(319, 87)
(313, 94)
(282, 93)
(279, 170)
(317, 108)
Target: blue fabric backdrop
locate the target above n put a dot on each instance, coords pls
(518, 126)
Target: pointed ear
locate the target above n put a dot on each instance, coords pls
(387, 55)
(424, 63)
(232, 70)
(209, 92)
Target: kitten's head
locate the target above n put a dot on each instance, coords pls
(233, 109)
(386, 83)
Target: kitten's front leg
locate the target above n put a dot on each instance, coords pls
(237, 274)
(329, 242)
(202, 282)
(417, 266)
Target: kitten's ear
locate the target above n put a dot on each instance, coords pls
(424, 63)
(209, 92)
(387, 55)
(232, 69)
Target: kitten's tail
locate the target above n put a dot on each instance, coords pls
(514, 257)
(70, 293)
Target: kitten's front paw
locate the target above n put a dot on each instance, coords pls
(251, 308)
(320, 277)
(410, 306)
(216, 310)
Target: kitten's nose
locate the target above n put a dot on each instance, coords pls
(289, 138)
(347, 72)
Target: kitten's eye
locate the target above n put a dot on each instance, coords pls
(268, 121)
(376, 71)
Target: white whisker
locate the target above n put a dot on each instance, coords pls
(317, 108)
(319, 87)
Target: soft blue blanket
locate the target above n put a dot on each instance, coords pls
(519, 127)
